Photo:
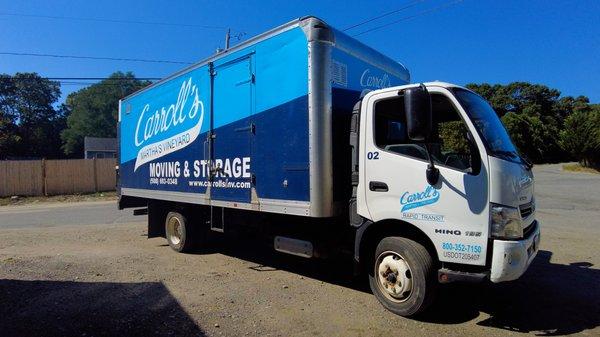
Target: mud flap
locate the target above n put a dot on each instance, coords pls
(157, 214)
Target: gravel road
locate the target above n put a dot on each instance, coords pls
(87, 269)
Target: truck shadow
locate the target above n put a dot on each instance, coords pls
(63, 308)
(550, 299)
(334, 270)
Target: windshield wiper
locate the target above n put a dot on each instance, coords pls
(514, 155)
(527, 162)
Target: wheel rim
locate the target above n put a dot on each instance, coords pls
(394, 277)
(174, 229)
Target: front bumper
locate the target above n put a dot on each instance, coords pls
(510, 259)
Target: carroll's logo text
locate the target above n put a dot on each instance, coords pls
(186, 113)
(368, 80)
(417, 199)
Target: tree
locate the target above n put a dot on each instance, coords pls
(29, 123)
(519, 97)
(527, 133)
(533, 115)
(567, 105)
(453, 135)
(8, 116)
(581, 136)
(92, 111)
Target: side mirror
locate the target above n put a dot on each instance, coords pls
(417, 105)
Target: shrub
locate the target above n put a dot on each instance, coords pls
(581, 137)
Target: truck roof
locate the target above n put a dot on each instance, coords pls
(428, 84)
(442, 84)
(338, 38)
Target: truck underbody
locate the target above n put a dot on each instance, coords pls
(330, 237)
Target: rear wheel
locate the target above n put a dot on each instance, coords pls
(181, 233)
(403, 277)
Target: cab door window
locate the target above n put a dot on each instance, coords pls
(449, 144)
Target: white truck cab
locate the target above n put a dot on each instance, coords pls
(281, 137)
(436, 156)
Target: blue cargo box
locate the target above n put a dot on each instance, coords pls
(262, 126)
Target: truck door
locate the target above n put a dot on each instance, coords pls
(232, 131)
(453, 212)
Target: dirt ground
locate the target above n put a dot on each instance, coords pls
(109, 279)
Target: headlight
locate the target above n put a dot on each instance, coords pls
(506, 222)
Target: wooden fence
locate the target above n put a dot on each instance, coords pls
(51, 177)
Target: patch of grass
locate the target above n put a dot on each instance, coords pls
(21, 200)
(576, 167)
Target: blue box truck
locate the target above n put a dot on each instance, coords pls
(320, 143)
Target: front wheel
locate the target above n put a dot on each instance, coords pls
(403, 278)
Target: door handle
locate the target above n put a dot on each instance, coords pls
(251, 128)
(378, 186)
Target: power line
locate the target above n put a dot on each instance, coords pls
(90, 83)
(93, 58)
(101, 78)
(106, 81)
(113, 20)
(85, 81)
(407, 6)
(87, 78)
(425, 12)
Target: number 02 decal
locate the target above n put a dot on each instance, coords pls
(373, 155)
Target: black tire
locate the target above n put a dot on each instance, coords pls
(181, 233)
(420, 276)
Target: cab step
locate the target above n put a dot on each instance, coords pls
(293, 246)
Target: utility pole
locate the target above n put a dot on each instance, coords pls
(227, 37)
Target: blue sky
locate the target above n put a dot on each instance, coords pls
(556, 43)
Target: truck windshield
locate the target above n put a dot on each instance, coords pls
(488, 125)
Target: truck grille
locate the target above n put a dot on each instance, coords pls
(527, 209)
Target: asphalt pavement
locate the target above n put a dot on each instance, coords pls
(65, 214)
(87, 269)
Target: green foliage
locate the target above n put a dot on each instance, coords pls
(92, 111)
(581, 136)
(519, 97)
(29, 123)
(8, 116)
(453, 138)
(533, 115)
(527, 133)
